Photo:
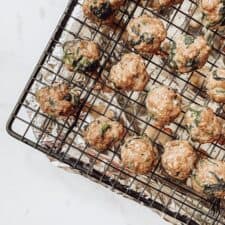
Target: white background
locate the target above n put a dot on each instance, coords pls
(32, 191)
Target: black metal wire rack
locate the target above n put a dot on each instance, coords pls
(22, 125)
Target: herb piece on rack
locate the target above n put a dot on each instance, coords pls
(172, 52)
(81, 55)
(144, 38)
(196, 180)
(83, 64)
(188, 40)
(212, 188)
(68, 58)
(196, 114)
(104, 128)
(52, 102)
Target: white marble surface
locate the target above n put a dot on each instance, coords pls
(33, 192)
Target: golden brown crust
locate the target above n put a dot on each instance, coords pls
(56, 100)
(129, 73)
(145, 34)
(103, 133)
(178, 159)
(163, 104)
(203, 125)
(138, 155)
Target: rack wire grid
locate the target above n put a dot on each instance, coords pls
(155, 190)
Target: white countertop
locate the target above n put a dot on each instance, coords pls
(34, 192)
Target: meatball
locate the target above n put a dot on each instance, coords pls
(81, 55)
(145, 34)
(215, 85)
(138, 154)
(163, 104)
(213, 12)
(188, 53)
(130, 73)
(209, 177)
(202, 124)
(57, 100)
(178, 159)
(101, 10)
(102, 133)
(161, 4)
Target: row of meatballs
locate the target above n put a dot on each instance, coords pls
(145, 35)
(138, 154)
(187, 53)
(103, 11)
(162, 103)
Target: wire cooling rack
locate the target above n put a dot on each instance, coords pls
(62, 139)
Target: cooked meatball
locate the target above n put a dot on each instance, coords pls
(145, 34)
(188, 53)
(129, 73)
(213, 12)
(103, 133)
(57, 100)
(202, 124)
(81, 55)
(161, 4)
(209, 177)
(101, 10)
(215, 85)
(138, 154)
(163, 104)
(178, 159)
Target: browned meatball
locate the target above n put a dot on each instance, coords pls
(203, 125)
(215, 85)
(209, 177)
(163, 104)
(188, 53)
(145, 34)
(57, 100)
(178, 159)
(103, 133)
(81, 55)
(138, 154)
(213, 12)
(101, 10)
(129, 73)
(161, 4)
